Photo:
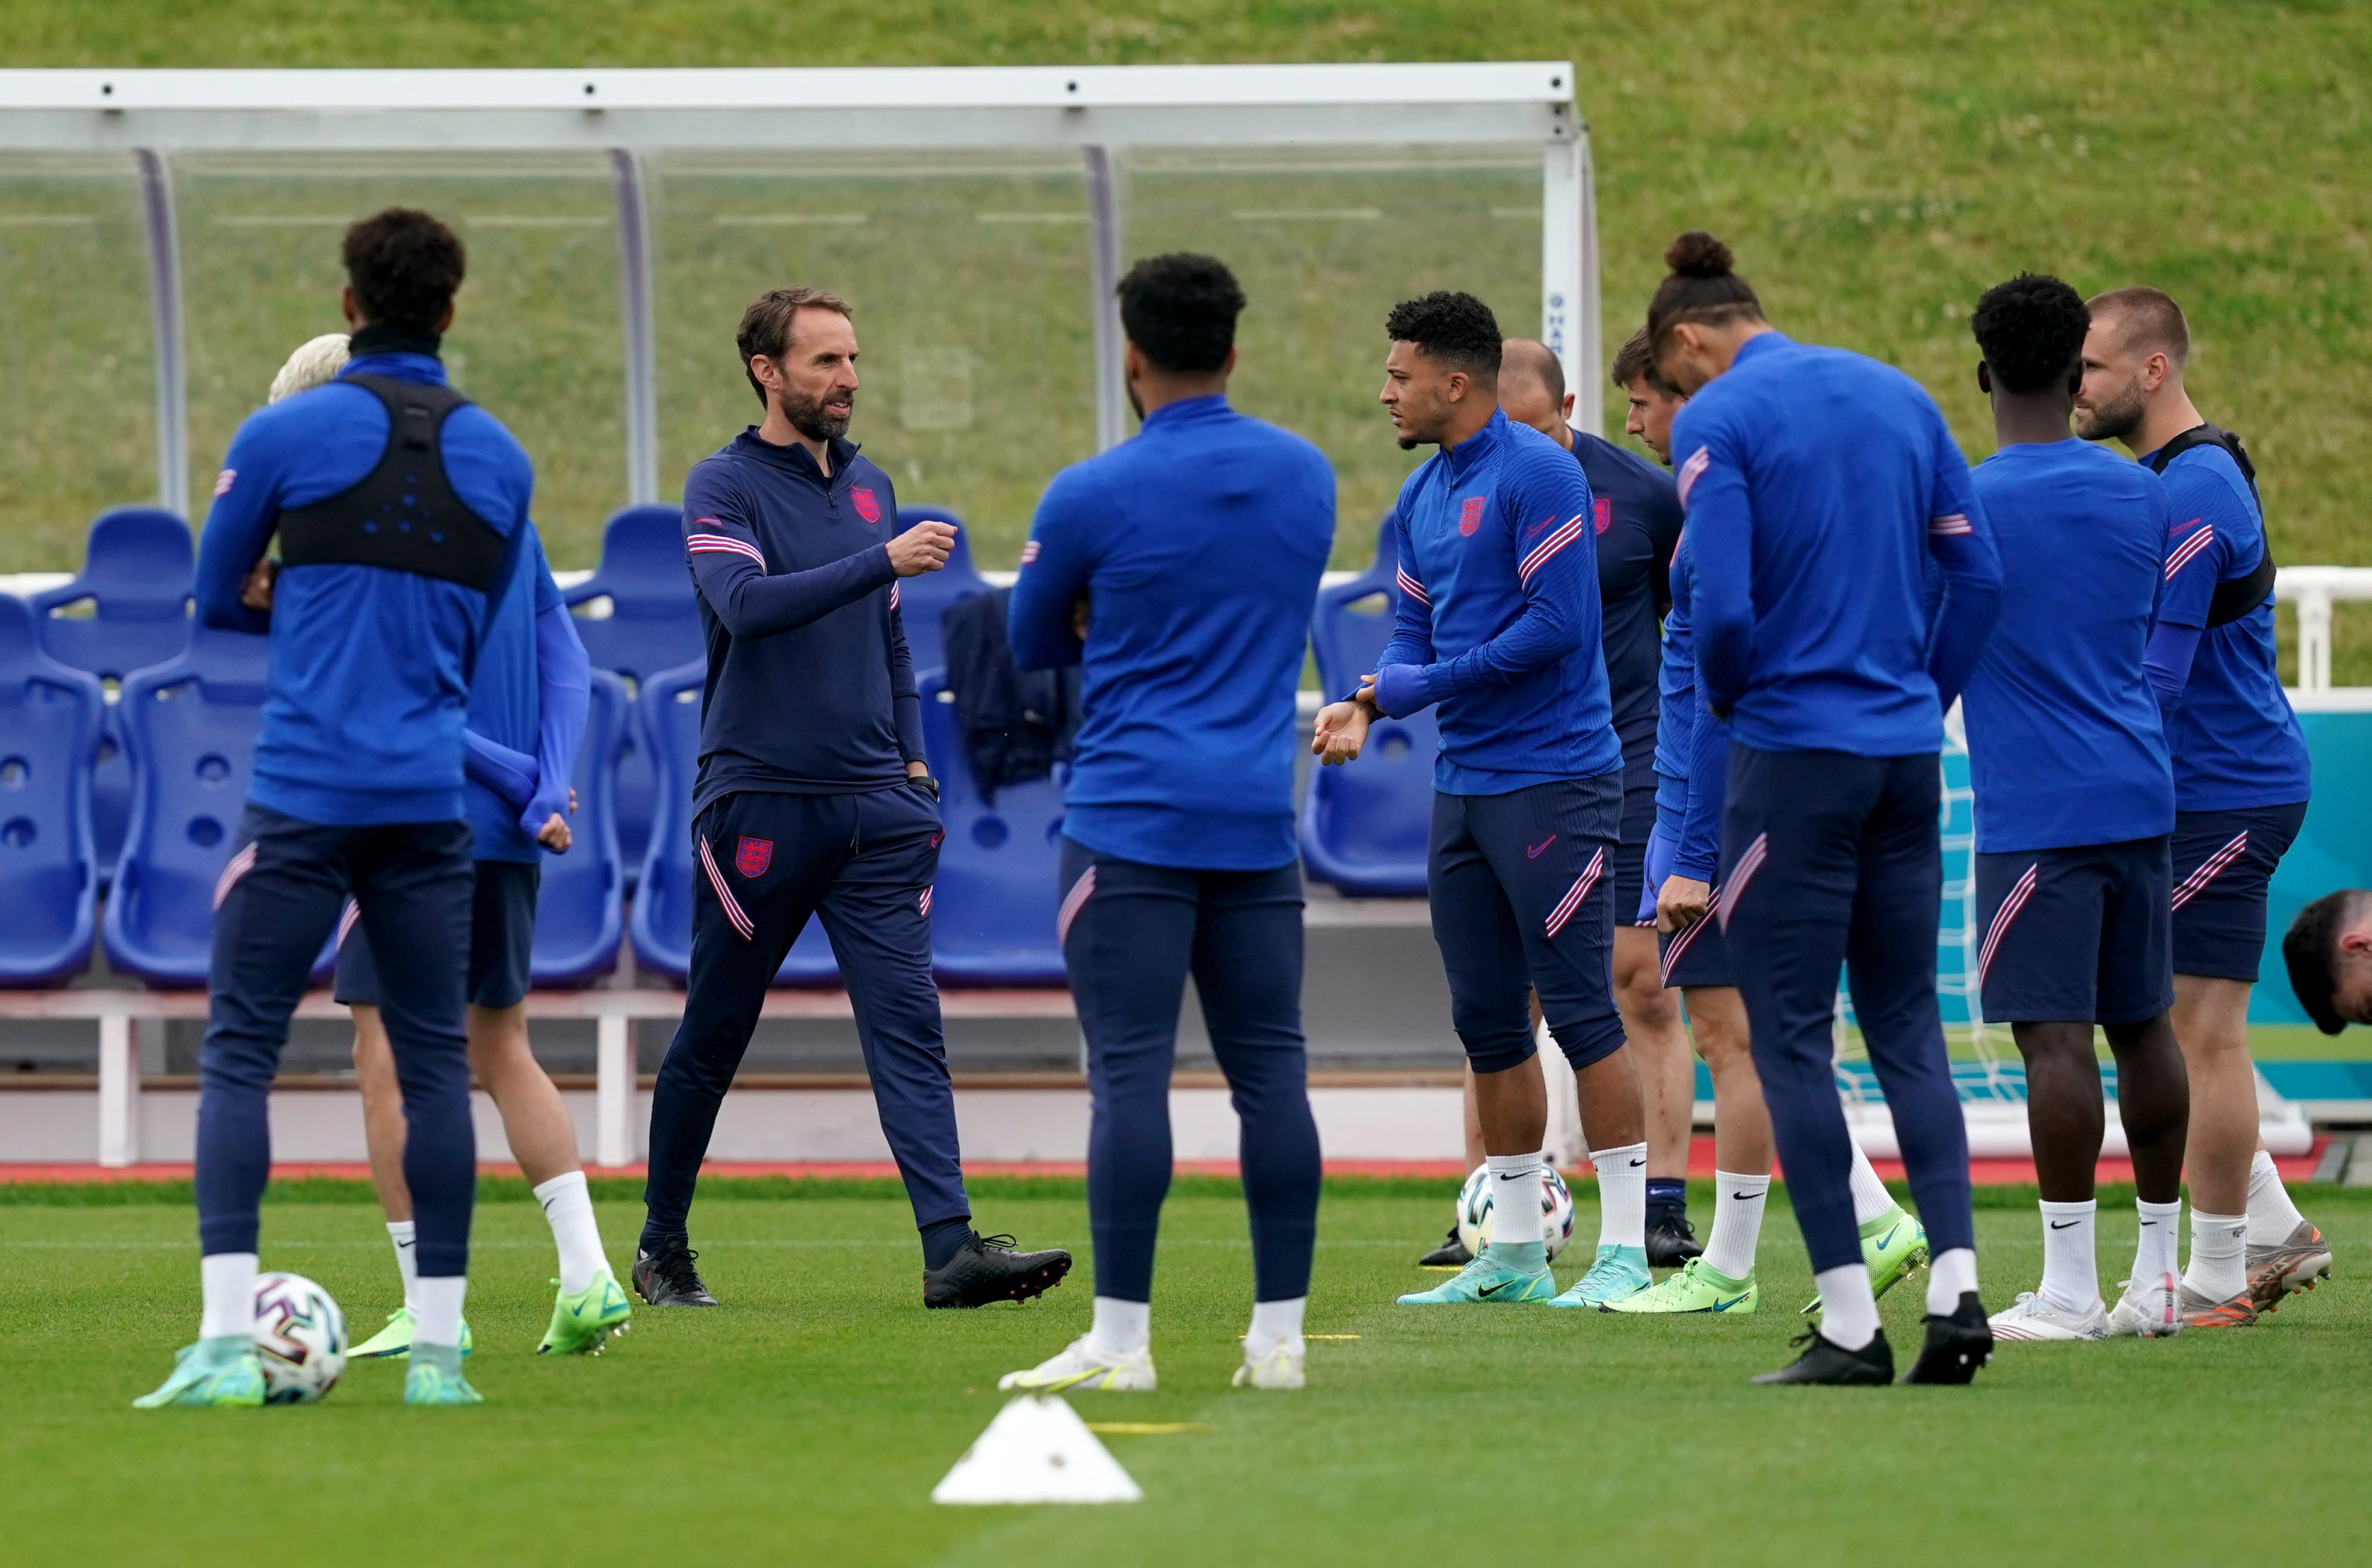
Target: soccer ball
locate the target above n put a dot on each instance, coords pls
(1475, 1211)
(301, 1337)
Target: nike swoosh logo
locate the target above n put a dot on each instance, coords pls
(1637, 1164)
(1489, 1290)
(1746, 1197)
(1534, 853)
(1721, 1306)
(2063, 1225)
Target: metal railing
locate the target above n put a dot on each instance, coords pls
(2314, 589)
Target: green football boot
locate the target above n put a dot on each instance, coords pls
(1892, 1245)
(210, 1374)
(396, 1338)
(1695, 1288)
(1495, 1279)
(1617, 1274)
(434, 1378)
(582, 1320)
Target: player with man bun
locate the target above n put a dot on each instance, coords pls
(1820, 487)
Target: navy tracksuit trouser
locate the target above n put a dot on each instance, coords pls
(1830, 859)
(1130, 933)
(762, 864)
(275, 903)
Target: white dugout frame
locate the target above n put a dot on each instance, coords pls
(151, 116)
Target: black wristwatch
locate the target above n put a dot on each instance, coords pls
(926, 781)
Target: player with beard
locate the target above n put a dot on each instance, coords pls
(813, 798)
(2241, 780)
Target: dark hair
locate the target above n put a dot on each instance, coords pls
(1702, 288)
(2030, 331)
(1180, 310)
(1635, 360)
(766, 326)
(2149, 317)
(1456, 331)
(2310, 948)
(405, 267)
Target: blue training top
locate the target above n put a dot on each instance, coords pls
(1636, 512)
(810, 689)
(369, 671)
(1499, 614)
(1817, 484)
(2236, 742)
(2065, 743)
(525, 684)
(1199, 544)
(1691, 746)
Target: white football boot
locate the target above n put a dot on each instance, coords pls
(2151, 1308)
(1084, 1366)
(2031, 1317)
(1281, 1365)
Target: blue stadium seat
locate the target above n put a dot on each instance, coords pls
(921, 600)
(1363, 826)
(652, 625)
(581, 906)
(189, 727)
(992, 910)
(50, 719)
(127, 609)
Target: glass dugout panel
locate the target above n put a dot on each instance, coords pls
(536, 333)
(969, 276)
(1325, 241)
(79, 427)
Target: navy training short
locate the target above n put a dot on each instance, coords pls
(2223, 872)
(1693, 957)
(1637, 824)
(501, 940)
(2078, 934)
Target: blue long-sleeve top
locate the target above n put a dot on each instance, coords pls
(370, 672)
(528, 703)
(1691, 746)
(1199, 543)
(810, 689)
(1817, 484)
(1637, 513)
(1499, 614)
(2236, 742)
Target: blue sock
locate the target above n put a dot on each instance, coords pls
(1666, 1194)
(942, 1239)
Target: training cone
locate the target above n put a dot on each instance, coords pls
(1037, 1451)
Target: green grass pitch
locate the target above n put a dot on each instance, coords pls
(808, 1420)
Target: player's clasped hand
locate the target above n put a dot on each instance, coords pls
(1682, 902)
(1342, 729)
(255, 592)
(922, 547)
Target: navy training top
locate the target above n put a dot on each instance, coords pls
(1636, 510)
(369, 668)
(1818, 484)
(507, 700)
(1499, 607)
(1199, 543)
(2235, 740)
(1691, 746)
(2065, 747)
(810, 689)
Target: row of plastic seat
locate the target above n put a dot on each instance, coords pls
(148, 788)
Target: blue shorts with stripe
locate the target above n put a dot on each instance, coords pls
(2078, 934)
(1522, 890)
(1692, 958)
(2223, 870)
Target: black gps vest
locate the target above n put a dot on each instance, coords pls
(2236, 597)
(404, 515)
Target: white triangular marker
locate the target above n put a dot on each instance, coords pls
(1037, 1451)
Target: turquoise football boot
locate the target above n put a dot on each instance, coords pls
(434, 1377)
(1617, 1275)
(212, 1373)
(1503, 1276)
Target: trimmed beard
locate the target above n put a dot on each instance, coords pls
(809, 418)
(2115, 420)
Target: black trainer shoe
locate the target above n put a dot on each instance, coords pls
(1673, 1241)
(667, 1278)
(1956, 1346)
(1450, 1254)
(1824, 1361)
(987, 1269)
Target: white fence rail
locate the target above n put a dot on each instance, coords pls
(2314, 589)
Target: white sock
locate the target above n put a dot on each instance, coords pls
(1515, 1198)
(1122, 1327)
(1622, 1196)
(569, 1206)
(1870, 1196)
(229, 1279)
(1848, 1311)
(400, 1232)
(2162, 1239)
(2272, 1215)
(2070, 1273)
(1274, 1323)
(1736, 1224)
(1950, 1275)
(2220, 1251)
(436, 1315)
